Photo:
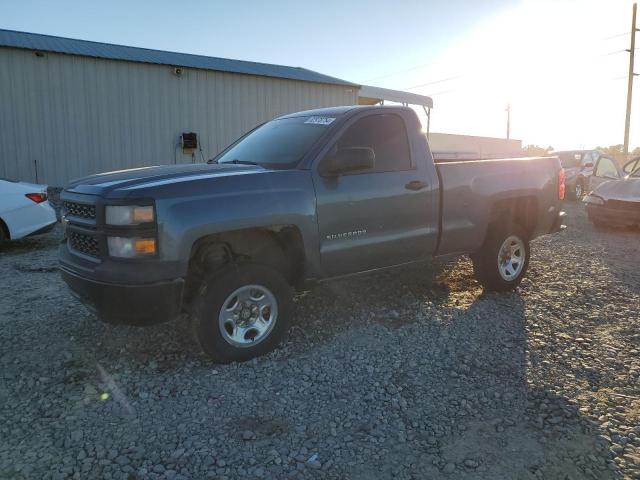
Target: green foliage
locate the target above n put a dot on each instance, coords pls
(613, 150)
(617, 152)
(536, 151)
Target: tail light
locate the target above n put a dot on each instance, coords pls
(561, 184)
(37, 197)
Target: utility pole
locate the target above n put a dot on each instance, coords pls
(632, 50)
(508, 110)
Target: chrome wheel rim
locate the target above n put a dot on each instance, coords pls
(511, 258)
(248, 315)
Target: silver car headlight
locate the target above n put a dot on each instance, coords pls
(129, 214)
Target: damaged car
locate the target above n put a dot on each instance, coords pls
(616, 203)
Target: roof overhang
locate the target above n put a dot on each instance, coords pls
(372, 95)
(85, 48)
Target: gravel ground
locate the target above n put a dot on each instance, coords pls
(406, 374)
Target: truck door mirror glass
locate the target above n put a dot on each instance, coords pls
(350, 159)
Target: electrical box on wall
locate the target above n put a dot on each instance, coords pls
(189, 142)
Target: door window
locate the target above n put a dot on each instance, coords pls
(606, 168)
(386, 135)
(631, 166)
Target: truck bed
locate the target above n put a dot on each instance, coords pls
(471, 190)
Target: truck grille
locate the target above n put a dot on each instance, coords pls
(80, 210)
(84, 243)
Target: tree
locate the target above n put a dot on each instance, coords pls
(536, 151)
(613, 150)
(616, 152)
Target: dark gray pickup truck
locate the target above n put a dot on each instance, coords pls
(306, 197)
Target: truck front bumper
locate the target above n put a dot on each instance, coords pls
(143, 304)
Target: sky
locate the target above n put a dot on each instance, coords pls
(560, 64)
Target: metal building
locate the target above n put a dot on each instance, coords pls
(69, 108)
(447, 146)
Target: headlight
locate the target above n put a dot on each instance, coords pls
(592, 199)
(131, 247)
(129, 215)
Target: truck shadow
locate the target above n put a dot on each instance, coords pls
(462, 383)
(487, 417)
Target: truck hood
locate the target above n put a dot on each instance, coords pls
(129, 180)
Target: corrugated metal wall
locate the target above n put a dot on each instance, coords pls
(73, 116)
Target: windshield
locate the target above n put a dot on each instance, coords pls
(278, 144)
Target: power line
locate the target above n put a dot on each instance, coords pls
(615, 36)
(442, 80)
(618, 51)
(391, 74)
(456, 77)
(612, 53)
(424, 65)
(443, 92)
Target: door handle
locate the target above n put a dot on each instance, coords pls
(415, 185)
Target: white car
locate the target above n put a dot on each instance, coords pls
(24, 210)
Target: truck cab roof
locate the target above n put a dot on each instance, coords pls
(340, 111)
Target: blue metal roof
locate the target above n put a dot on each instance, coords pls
(48, 43)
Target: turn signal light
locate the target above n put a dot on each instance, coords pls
(561, 184)
(37, 197)
(145, 246)
(131, 247)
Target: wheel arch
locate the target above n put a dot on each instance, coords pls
(5, 229)
(277, 246)
(522, 210)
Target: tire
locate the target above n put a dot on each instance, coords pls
(257, 324)
(486, 262)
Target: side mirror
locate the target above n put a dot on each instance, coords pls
(588, 165)
(350, 159)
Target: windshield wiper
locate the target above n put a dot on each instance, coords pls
(235, 161)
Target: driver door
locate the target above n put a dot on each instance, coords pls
(379, 216)
(604, 171)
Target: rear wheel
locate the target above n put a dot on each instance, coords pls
(242, 312)
(503, 260)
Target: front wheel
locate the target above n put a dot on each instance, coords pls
(242, 312)
(503, 260)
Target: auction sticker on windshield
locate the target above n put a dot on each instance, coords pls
(320, 120)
